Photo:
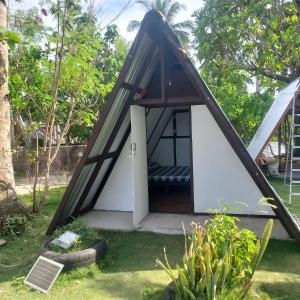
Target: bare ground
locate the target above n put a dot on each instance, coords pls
(24, 185)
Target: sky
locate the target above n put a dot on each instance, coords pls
(107, 9)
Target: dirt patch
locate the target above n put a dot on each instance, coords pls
(24, 185)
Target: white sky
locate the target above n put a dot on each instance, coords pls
(106, 9)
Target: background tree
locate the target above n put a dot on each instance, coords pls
(6, 167)
(247, 50)
(244, 109)
(261, 38)
(170, 9)
(61, 76)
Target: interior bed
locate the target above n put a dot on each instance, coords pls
(169, 175)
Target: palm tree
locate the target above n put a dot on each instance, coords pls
(170, 9)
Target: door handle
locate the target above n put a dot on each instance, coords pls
(132, 149)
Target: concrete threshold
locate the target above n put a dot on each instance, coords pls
(170, 223)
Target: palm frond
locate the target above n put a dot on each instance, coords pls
(185, 25)
(146, 3)
(182, 35)
(166, 6)
(133, 25)
(157, 4)
(162, 6)
(173, 11)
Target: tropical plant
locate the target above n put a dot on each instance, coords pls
(170, 9)
(220, 259)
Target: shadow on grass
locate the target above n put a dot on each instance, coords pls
(281, 290)
(133, 286)
(282, 256)
(137, 251)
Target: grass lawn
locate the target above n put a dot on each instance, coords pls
(283, 191)
(129, 271)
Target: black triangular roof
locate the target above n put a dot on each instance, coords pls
(103, 147)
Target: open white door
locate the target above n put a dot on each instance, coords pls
(139, 164)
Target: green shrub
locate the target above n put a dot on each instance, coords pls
(219, 257)
(87, 236)
(14, 225)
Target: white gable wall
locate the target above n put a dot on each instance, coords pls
(117, 193)
(219, 175)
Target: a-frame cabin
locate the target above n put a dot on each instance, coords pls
(163, 144)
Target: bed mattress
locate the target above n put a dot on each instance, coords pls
(170, 174)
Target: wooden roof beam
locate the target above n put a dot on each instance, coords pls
(174, 101)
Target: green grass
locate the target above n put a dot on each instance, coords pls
(283, 191)
(129, 271)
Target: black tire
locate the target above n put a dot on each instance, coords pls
(169, 292)
(77, 259)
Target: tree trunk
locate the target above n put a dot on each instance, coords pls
(36, 201)
(6, 167)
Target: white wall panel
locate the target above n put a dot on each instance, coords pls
(117, 193)
(219, 175)
(139, 164)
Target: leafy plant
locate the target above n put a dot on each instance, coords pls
(220, 258)
(9, 37)
(151, 293)
(18, 282)
(87, 236)
(14, 225)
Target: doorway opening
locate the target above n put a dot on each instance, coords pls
(169, 159)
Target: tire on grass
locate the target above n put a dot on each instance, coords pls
(76, 259)
(169, 292)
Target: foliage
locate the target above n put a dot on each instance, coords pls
(18, 282)
(220, 258)
(9, 37)
(87, 237)
(151, 294)
(258, 37)
(247, 50)
(170, 9)
(90, 65)
(230, 87)
(60, 80)
(14, 225)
